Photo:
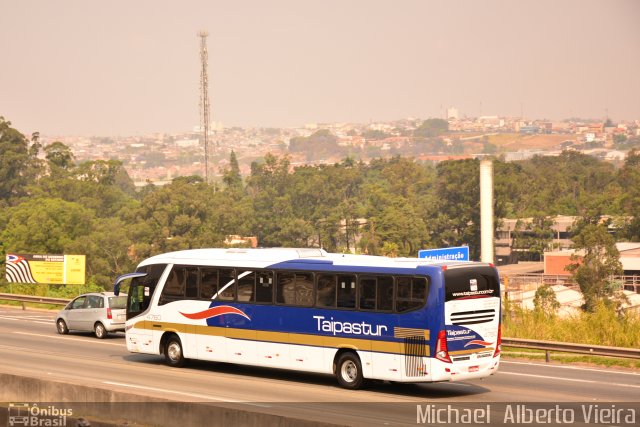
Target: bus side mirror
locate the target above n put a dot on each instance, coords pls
(120, 279)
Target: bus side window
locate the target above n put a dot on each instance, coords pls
(384, 296)
(286, 288)
(367, 292)
(227, 284)
(326, 290)
(174, 288)
(304, 289)
(246, 285)
(411, 293)
(208, 282)
(346, 291)
(191, 279)
(264, 287)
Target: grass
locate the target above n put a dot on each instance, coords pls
(603, 327)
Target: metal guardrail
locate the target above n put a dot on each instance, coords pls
(566, 347)
(516, 280)
(34, 299)
(547, 346)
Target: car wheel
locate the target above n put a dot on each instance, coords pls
(173, 354)
(100, 330)
(349, 371)
(61, 326)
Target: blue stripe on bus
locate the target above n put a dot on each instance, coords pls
(329, 267)
(301, 320)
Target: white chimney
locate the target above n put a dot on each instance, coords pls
(486, 211)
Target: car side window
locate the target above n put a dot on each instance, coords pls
(78, 303)
(94, 301)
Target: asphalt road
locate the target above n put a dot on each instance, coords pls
(29, 345)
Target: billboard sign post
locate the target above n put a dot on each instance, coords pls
(48, 269)
(457, 253)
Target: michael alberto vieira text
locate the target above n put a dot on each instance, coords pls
(513, 414)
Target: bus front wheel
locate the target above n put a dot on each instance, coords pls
(349, 371)
(173, 354)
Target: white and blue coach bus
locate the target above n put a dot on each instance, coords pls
(357, 317)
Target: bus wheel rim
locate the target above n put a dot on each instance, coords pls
(349, 371)
(174, 351)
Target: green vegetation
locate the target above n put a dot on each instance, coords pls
(545, 301)
(594, 269)
(49, 203)
(603, 326)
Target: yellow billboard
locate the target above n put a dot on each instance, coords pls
(51, 269)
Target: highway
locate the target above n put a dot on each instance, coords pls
(29, 345)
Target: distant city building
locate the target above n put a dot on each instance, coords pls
(452, 113)
(183, 143)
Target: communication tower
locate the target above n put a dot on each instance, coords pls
(204, 101)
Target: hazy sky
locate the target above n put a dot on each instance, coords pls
(129, 67)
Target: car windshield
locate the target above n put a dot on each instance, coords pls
(119, 302)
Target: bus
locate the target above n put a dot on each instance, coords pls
(357, 317)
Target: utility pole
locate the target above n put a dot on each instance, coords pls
(204, 101)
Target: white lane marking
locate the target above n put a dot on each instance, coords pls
(181, 393)
(10, 317)
(31, 317)
(577, 368)
(22, 319)
(61, 337)
(568, 379)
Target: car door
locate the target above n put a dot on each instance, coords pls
(92, 312)
(75, 313)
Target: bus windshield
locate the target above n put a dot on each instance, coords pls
(141, 289)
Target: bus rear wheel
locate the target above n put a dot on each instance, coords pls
(349, 371)
(173, 354)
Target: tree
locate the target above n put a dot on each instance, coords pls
(179, 216)
(19, 165)
(430, 128)
(597, 259)
(375, 134)
(545, 301)
(320, 145)
(44, 225)
(59, 155)
(231, 175)
(629, 179)
(268, 185)
(108, 248)
(456, 215)
(532, 238)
